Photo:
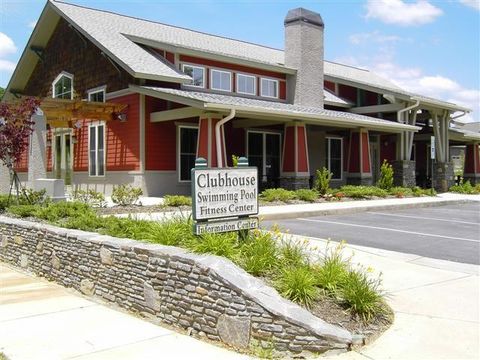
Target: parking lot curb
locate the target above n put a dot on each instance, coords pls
(358, 209)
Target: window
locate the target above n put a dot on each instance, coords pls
(334, 157)
(269, 88)
(221, 80)
(197, 73)
(62, 86)
(97, 95)
(187, 151)
(246, 84)
(96, 149)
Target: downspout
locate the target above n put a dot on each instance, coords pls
(452, 119)
(399, 112)
(218, 140)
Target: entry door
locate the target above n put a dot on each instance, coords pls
(264, 153)
(63, 155)
(375, 157)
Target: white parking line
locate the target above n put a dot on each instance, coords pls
(425, 218)
(458, 211)
(389, 229)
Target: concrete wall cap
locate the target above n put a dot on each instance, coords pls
(303, 15)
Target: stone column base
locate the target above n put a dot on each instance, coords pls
(443, 176)
(404, 173)
(357, 180)
(473, 178)
(295, 183)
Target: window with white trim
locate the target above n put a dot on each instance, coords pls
(62, 86)
(97, 95)
(334, 157)
(96, 149)
(246, 84)
(187, 151)
(197, 73)
(221, 80)
(269, 88)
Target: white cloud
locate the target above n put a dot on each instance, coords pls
(402, 13)
(7, 66)
(7, 45)
(472, 3)
(374, 36)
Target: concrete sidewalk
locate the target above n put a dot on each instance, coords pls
(42, 320)
(278, 212)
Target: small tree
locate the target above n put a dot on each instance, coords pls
(386, 176)
(322, 181)
(16, 126)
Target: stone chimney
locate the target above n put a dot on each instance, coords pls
(304, 52)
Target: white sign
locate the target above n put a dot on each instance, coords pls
(432, 147)
(221, 193)
(226, 225)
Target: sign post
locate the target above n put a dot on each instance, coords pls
(223, 199)
(432, 157)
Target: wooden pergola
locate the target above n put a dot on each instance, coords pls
(63, 113)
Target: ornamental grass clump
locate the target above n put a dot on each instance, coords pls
(332, 271)
(298, 284)
(173, 232)
(259, 254)
(222, 244)
(293, 254)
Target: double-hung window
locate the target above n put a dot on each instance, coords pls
(187, 151)
(269, 88)
(96, 149)
(197, 73)
(221, 80)
(334, 157)
(246, 84)
(62, 86)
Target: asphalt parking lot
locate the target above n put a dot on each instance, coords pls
(449, 232)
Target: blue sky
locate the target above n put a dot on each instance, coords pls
(429, 47)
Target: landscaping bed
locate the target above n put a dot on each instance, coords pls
(328, 285)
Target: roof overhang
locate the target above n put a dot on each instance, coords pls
(275, 114)
(463, 135)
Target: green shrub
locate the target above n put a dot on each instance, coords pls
(88, 221)
(54, 212)
(386, 176)
(400, 192)
(3, 202)
(278, 194)
(322, 181)
(298, 284)
(235, 159)
(126, 195)
(23, 210)
(306, 195)
(362, 192)
(127, 228)
(258, 255)
(362, 294)
(293, 254)
(177, 200)
(465, 188)
(331, 273)
(223, 244)
(90, 197)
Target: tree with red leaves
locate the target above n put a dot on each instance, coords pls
(16, 126)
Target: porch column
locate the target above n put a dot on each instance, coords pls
(37, 151)
(206, 143)
(472, 163)
(295, 173)
(443, 174)
(359, 165)
(403, 167)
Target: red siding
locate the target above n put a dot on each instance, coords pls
(170, 57)
(123, 138)
(347, 92)
(365, 153)
(80, 149)
(22, 164)
(354, 156)
(302, 150)
(49, 151)
(282, 90)
(160, 139)
(329, 85)
(289, 153)
(388, 151)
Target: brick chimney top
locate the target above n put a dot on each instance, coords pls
(303, 15)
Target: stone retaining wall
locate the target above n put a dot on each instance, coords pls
(206, 295)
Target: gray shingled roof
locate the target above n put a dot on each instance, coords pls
(116, 34)
(212, 101)
(332, 99)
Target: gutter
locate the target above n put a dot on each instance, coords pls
(218, 141)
